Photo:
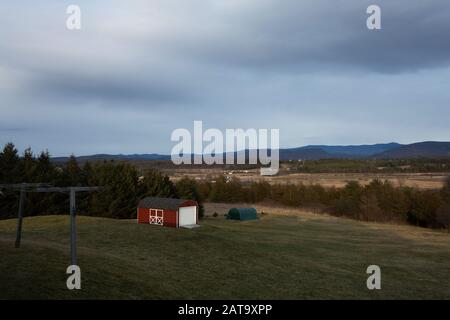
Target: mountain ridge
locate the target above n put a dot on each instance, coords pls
(392, 150)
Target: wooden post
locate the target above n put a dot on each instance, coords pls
(73, 228)
(20, 217)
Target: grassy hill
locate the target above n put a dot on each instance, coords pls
(282, 257)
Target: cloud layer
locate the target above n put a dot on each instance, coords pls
(140, 69)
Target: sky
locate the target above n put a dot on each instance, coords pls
(139, 69)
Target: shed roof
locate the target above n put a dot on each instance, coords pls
(162, 203)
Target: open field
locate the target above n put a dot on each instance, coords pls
(273, 209)
(300, 256)
(338, 180)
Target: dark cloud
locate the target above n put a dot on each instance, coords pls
(310, 36)
(11, 129)
(120, 90)
(138, 70)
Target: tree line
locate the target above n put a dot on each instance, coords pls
(123, 186)
(378, 201)
(421, 165)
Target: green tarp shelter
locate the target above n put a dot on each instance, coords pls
(242, 214)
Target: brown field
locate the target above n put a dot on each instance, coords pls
(267, 208)
(338, 180)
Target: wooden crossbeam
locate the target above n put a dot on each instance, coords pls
(44, 187)
(24, 186)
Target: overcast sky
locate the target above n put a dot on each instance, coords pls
(138, 69)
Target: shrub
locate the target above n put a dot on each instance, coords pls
(446, 191)
(349, 202)
(423, 206)
(443, 216)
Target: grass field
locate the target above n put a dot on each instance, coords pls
(282, 257)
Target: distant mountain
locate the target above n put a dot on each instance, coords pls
(428, 149)
(358, 150)
(304, 153)
(97, 157)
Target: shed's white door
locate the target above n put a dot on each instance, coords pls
(187, 216)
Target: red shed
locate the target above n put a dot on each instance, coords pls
(167, 212)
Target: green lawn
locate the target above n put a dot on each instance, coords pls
(275, 257)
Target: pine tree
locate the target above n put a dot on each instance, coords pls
(73, 171)
(120, 193)
(28, 167)
(187, 189)
(45, 169)
(9, 164)
(155, 184)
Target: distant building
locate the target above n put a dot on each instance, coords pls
(269, 172)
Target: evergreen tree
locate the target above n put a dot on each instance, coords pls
(73, 171)
(9, 173)
(119, 196)
(9, 164)
(349, 203)
(45, 169)
(187, 189)
(29, 166)
(86, 173)
(155, 184)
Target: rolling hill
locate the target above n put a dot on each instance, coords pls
(97, 157)
(429, 149)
